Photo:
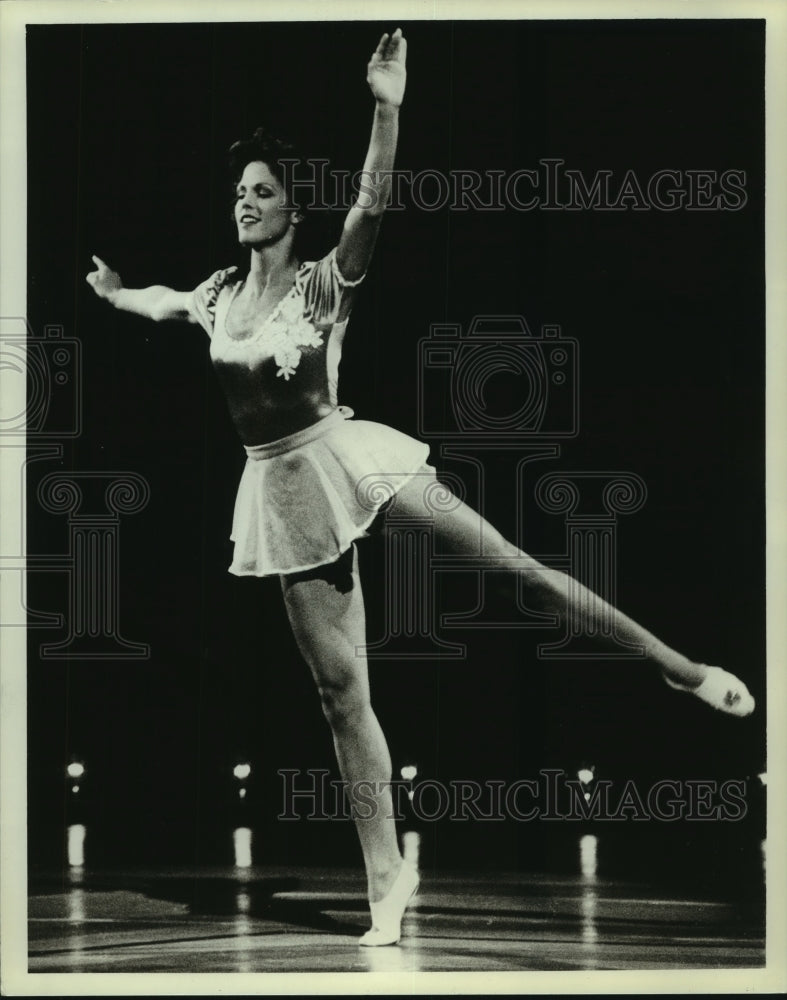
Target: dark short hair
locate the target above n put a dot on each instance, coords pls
(270, 150)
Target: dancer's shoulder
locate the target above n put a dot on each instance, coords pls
(217, 280)
(206, 294)
(325, 289)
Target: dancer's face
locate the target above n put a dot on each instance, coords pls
(260, 214)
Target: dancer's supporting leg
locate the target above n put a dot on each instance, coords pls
(459, 530)
(326, 611)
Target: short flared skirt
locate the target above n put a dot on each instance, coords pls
(304, 499)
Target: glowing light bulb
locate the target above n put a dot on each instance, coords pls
(76, 845)
(585, 775)
(588, 855)
(75, 769)
(242, 844)
(242, 771)
(411, 847)
(409, 772)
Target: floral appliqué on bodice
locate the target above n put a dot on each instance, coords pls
(285, 332)
(301, 319)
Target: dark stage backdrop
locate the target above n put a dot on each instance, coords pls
(127, 132)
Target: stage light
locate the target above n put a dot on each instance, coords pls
(585, 775)
(75, 769)
(241, 793)
(242, 771)
(242, 843)
(763, 778)
(411, 847)
(76, 845)
(409, 772)
(588, 855)
(75, 789)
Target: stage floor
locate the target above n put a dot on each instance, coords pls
(276, 920)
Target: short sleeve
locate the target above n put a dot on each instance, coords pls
(324, 289)
(204, 297)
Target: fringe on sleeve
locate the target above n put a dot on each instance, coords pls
(205, 296)
(324, 287)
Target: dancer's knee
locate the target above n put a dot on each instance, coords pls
(343, 703)
(497, 549)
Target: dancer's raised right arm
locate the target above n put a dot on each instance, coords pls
(156, 302)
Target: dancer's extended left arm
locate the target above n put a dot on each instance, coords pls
(386, 76)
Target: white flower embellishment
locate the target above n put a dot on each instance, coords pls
(288, 331)
(283, 334)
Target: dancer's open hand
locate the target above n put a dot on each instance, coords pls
(104, 281)
(386, 73)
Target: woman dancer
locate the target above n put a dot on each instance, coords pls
(276, 339)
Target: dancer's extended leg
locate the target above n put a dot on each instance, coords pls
(460, 529)
(326, 611)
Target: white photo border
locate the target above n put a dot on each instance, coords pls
(16, 981)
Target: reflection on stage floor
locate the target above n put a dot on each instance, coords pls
(266, 919)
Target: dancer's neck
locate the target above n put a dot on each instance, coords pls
(272, 265)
